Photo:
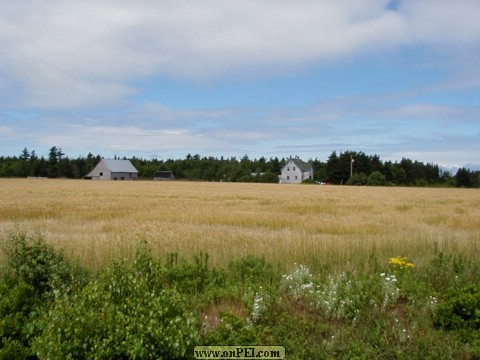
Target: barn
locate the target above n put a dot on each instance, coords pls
(113, 169)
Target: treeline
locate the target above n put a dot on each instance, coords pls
(349, 167)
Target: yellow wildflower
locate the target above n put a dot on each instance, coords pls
(401, 262)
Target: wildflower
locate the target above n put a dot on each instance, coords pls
(258, 308)
(390, 291)
(401, 262)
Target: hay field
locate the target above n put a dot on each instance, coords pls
(97, 221)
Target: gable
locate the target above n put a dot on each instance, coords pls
(99, 170)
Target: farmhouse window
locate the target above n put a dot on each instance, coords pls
(294, 168)
(101, 173)
(288, 177)
(288, 169)
(296, 177)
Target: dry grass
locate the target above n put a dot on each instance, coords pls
(96, 221)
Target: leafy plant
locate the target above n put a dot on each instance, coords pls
(232, 331)
(252, 270)
(126, 313)
(17, 304)
(33, 271)
(30, 259)
(460, 310)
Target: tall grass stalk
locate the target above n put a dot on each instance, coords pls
(324, 227)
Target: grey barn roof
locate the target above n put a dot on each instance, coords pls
(124, 166)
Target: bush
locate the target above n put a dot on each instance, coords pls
(376, 178)
(125, 313)
(231, 331)
(32, 273)
(252, 270)
(357, 179)
(30, 259)
(461, 310)
(188, 278)
(17, 302)
(460, 314)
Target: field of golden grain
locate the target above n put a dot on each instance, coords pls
(96, 221)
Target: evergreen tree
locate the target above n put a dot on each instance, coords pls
(463, 178)
(25, 154)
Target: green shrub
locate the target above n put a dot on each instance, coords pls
(231, 331)
(357, 179)
(17, 304)
(376, 178)
(459, 313)
(252, 270)
(32, 260)
(125, 313)
(461, 310)
(33, 271)
(188, 278)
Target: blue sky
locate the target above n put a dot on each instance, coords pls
(233, 77)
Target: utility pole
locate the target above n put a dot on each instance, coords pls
(351, 166)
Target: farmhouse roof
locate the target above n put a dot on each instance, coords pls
(302, 165)
(115, 165)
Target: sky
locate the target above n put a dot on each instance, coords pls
(274, 78)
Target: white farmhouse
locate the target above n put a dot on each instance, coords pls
(295, 171)
(112, 169)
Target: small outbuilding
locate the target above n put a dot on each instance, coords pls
(113, 169)
(164, 176)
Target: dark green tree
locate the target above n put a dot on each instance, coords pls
(463, 178)
(25, 154)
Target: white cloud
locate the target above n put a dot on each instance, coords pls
(392, 132)
(442, 21)
(90, 58)
(75, 53)
(6, 131)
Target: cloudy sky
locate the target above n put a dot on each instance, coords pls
(164, 78)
